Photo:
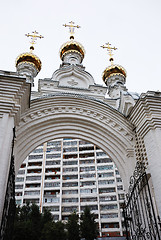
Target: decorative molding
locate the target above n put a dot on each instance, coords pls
(72, 82)
(43, 108)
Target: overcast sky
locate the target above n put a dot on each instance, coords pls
(133, 26)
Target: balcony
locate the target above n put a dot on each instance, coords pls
(51, 193)
(52, 170)
(34, 171)
(51, 200)
(33, 185)
(69, 184)
(70, 177)
(31, 157)
(52, 177)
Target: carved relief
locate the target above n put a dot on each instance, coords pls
(76, 110)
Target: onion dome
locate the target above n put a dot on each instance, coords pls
(29, 58)
(72, 46)
(112, 71)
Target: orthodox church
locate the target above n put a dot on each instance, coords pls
(70, 105)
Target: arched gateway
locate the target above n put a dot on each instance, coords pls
(70, 104)
(75, 116)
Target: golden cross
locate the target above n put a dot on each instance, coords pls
(109, 49)
(71, 28)
(34, 37)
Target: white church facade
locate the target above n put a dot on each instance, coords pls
(126, 126)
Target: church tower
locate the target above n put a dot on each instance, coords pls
(28, 64)
(114, 76)
(71, 72)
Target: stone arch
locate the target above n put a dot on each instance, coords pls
(75, 116)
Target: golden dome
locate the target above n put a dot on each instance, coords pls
(29, 58)
(72, 46)
(113, 70)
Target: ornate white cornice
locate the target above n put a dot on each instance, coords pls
(15, 95)
(146, 114)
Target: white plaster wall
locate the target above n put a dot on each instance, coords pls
(6, 136)
(153, 147)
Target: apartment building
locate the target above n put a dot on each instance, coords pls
(65, 175)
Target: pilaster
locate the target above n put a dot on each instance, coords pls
(14, 100)
(146, 117)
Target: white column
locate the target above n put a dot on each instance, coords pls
(6, 136)
(153, 148)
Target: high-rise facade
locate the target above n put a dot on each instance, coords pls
(66, 175)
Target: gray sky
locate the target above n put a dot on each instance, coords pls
(133, 26)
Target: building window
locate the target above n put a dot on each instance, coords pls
(35, 156)
(104, 160)
(110, 225)
(92, 207)
(18, 202)
(54, 143)
(52, 209)
(91, 199)
(70, 162)
(21, 172)
(32, 192)
(69, 177)
(74, 169)
(109, 215)
(51, 200)
(51, 156)
(87, 175)
(70, 143)
(55, 149)
(86, 148)
(33, 185)
(107, 207)
(88, 190)
(106, 182)
(36, 201)
(19, 179)
(70, 191)
(18, 186)
(121, 196)
(106, 190)
(120, 187)
(33, 178)
(82, 184)
(105, 175)
(101, 154)
(70, 184)
(53, 162)
(52, 184)
(87, 169)
(38, 150)
(89, 161)
(18, 193)
(108, 198)
(118, 179)
(106, 167)
(70, 209)
(71, 149)
(68, 200)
